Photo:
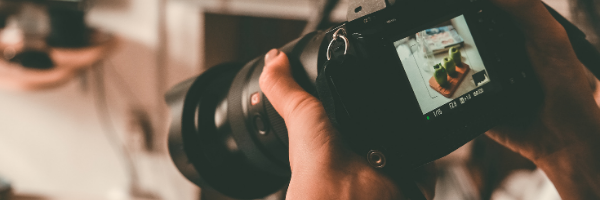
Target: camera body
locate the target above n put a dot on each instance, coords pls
(404, 82)
(390, 100)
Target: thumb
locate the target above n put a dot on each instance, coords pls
(278, 84)
(309, 128)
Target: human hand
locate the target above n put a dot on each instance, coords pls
(322, 166)
(561, 137)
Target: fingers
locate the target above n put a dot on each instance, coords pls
(532, 16)
(548, 46)
(539, 26)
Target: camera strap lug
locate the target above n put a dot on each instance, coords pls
(339, 34)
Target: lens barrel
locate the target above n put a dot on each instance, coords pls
(224, 132)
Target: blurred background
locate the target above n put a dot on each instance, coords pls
(86, 118)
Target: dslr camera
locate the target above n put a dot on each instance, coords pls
(404, 82)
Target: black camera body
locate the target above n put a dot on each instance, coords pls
(391, 81)
(389, 100)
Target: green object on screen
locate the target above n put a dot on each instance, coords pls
(440, 75)
(450, 66)
(456, 56)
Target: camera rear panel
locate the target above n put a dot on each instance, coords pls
(393, 97)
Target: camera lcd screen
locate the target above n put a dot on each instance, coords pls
(443, 65)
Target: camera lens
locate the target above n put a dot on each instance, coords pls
(225, 134)
(205, 148)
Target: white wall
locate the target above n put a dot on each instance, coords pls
(561, 6)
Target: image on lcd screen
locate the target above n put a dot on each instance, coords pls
(442, 63)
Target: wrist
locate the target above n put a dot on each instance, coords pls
(574, 170)
(570, 127)
(353, 179)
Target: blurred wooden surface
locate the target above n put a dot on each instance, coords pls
(68, 62)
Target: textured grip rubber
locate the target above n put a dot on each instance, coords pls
(277, 122)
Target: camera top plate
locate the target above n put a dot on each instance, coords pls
(361, 8)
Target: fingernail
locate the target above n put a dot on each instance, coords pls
(271, 56)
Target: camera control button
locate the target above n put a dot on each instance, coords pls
(260, 126)
(255, 98)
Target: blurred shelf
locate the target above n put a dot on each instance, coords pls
(283, 9)
(68, 62)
